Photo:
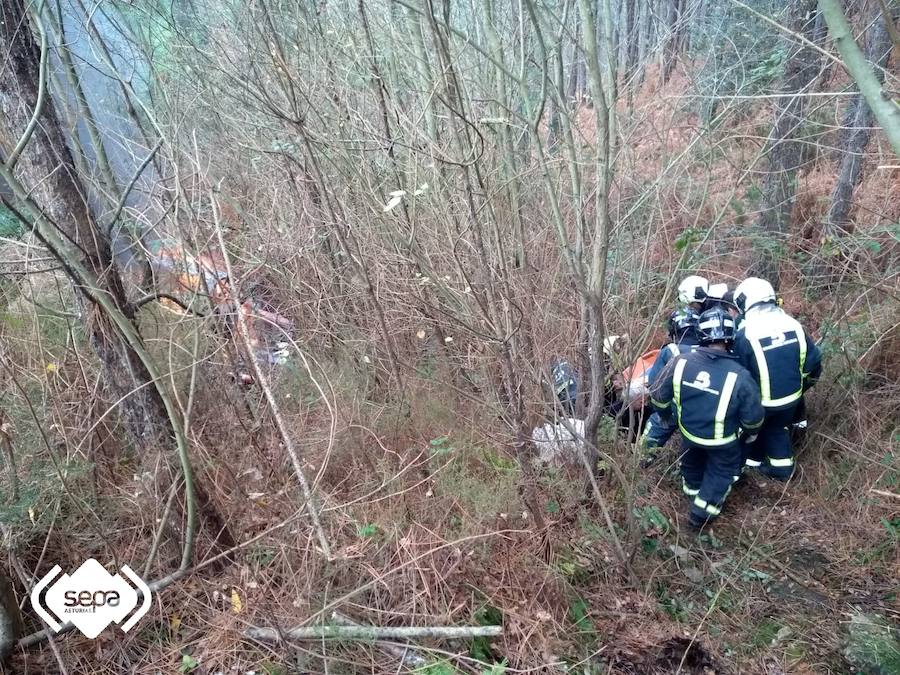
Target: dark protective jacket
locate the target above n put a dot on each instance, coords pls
(666, 354)
(564, 383)
(779, 354)
(713, 394)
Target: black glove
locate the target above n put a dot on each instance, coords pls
(748, 436)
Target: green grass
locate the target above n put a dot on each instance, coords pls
(10, 226)
(482, 489)
(764, 633)
(886, 548)
(438, 668)
(873, 646)
(579, 615)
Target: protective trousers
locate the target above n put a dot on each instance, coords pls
(773, 445)
(659, 430)
(707, 475)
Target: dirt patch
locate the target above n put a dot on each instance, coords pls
(667, 657)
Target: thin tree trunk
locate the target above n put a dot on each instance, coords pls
(11, 626)
(108, 185)
(596, 283)
(631, 45)
(785, 151)
(885, 108)
(508, 151)
(423, 68)
(859, 123)
(369, 633)
(674, 41)
(645, 33)
(575, 87)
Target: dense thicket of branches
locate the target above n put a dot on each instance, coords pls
(257, 256)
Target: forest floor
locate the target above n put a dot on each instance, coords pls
(432, 532)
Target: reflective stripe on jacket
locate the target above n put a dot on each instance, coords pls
(714, 397)
(666, 354)
(779, 354)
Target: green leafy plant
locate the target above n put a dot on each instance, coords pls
(765, 633)
(751, 574)
(650, 518)
(367, 531)
(480, 649)
(677, 609)
(261, 555)
(765, 71)
(440, 446)
(188, 664)
(574, 566)
(710, 540)
(499, 462)
(438, 668)
(686, 238)
(579, 616)
(886, 546)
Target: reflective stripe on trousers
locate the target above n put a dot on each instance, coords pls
(711, 509)
(687, 490)
(780, 461)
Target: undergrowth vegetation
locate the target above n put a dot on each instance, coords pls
(421, 198)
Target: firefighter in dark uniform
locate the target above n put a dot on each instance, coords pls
(784, 361)
(717, 409)
(683, 338)
(565, 385)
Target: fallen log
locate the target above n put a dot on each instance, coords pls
(371, 632)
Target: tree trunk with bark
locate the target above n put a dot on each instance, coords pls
(46, 167)
(644, 36)
(674, 41)
(11, 626)
(784, 149)
(575, 87)
(630, 40)
(883, 104)
(858, 122)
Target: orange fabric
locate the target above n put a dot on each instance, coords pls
(638, 372)
(640, 367)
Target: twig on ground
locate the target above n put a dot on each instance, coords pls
(884, 493)
(371, 632)
(407, 655)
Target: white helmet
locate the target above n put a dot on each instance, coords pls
(753, 291)
(612, 344)
(693, 289)
(717, 291)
